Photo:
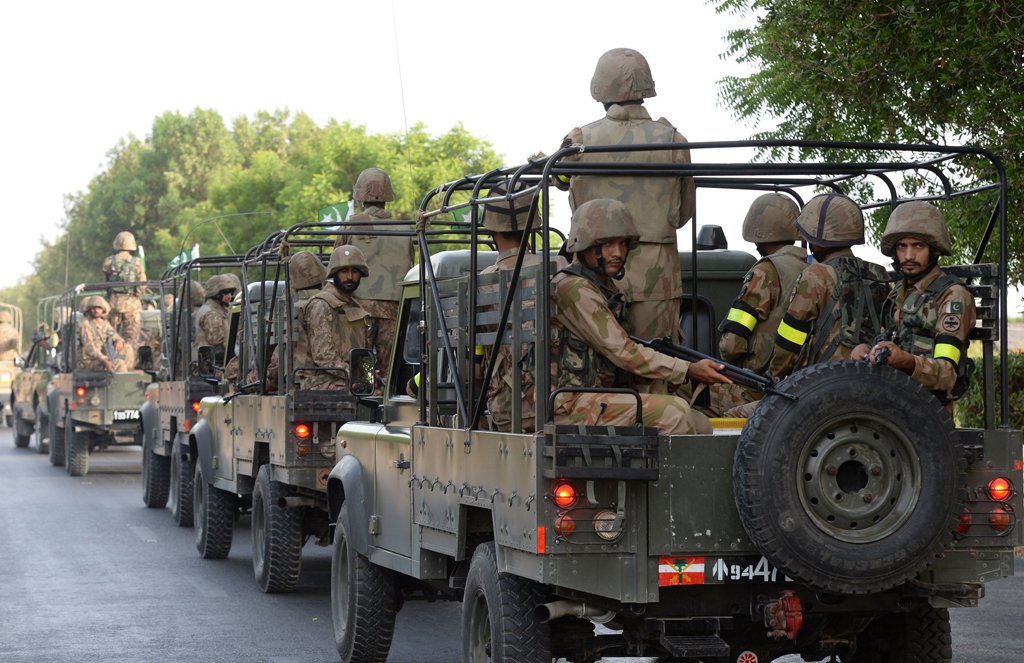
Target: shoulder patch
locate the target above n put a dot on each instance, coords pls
(954, 307)
(950, 322)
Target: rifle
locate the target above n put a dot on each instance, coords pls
(111, 350)
(743, 376)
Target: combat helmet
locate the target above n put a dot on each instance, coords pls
(919, 220)
(306, 271)
(508, 215)
(770, 219)
(373, 186)
(5, 316)
(622, 74)
(218, 283)
(197, 292)
(125, 241)
(347, 255)
(95, 300)
(830, 219)
(597, 221)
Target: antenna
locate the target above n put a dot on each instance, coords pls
(398, 56)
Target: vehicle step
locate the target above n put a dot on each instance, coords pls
(694, 645)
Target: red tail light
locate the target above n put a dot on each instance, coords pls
(195, 406)
(999, 519)
(999, 489)
(302, 431)
(565, 525)
(565, 495)
(302, 451)
(966, 520)
(79, 391)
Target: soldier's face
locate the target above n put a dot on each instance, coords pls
(614, 252)
(348, 279)
(913, 256)
(96, 312)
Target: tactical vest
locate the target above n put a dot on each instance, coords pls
(855, 305)
(574, 363)
(789, 262)
(916, 331)
(124, 268)
(654, 202)
(388, 256)
(350, 321)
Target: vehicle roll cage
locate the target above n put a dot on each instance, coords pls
(837, 168)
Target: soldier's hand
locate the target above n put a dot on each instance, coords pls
(860, 353)
(708, 372)
(898, 358)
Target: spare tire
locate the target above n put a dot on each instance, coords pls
(857, 485)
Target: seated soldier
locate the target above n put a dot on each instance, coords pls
(100, 348)
(589, 346)
(306, 276)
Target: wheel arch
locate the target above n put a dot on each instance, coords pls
(200, 442)
(149, 419)
(346, 485)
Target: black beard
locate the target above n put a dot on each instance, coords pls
(348, 287)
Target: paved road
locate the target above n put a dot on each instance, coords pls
(88, 574)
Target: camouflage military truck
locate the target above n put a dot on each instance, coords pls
(267, 447)
(91, 409)
(11, 357)
(28, 390)
(844, 518)
(171, 407)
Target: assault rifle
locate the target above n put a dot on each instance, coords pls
(743, 376)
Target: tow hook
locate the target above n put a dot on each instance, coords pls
(784, 616)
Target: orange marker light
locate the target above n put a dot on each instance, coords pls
(966, 520)
(195, 406)
(565, 495)
(302, 451)
(565, 525)
(999, 519)
(542, 540)
(999, 489)
(301, 431)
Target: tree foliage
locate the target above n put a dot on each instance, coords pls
(888, 70)
(195, 180)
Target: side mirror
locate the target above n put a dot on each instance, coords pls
(361, 368)
(710, 238)
(146, 358)
(19, 361)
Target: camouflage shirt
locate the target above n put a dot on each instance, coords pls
(934, 327)
(123, 266)
(335, 323)
(659, 205)
(389, 257)
(803, 338)
(93, 335)
(211, 323)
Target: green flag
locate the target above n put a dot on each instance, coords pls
(335, 213)
(184, 256)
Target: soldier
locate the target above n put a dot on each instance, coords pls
(391, 256)
(589, 346)
(660, 205)
(306, 275)
(125, 304)
(100, 347)
(506, 219)
(748, 331)
(211, 321)
(837, 301)
(929, 315)
(8, 337)
(336, 321)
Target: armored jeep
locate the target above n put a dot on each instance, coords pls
(89, 409)
(171, 407)
(28, 390)
(843, 519)
(268, 445)
(10, 365)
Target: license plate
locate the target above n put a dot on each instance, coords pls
(126, 415)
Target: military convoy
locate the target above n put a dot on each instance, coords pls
(28, 389)
(844, 518)
(10, 360)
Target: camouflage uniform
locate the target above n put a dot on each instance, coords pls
(212, 323)
(339, 323)
(660, 205)
(125, 305)
(8, 338)
(590, 347)
(93, 336)
(390, 256)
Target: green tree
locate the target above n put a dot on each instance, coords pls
(867, 70)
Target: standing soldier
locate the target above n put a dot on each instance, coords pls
(929, 315)
(748, 331)
(336, 321)
(391, 256)
(590, 348)
(212, 319)
(9, 340)
(837, 301)
(100, 347)
(660, 205)
(125, 305)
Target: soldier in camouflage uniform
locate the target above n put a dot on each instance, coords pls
(336, 321)
(837, 301)
(8, 337)
(748, 331)
(391, 256)
(306, 275)
(589, 346)
(929, 315)
(660, 205)
(211, 322)
(95, 338)
(125, 304)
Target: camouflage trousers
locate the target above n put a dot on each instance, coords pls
(654, 319)
(385, 321)
(726, 398)
(669, 414)
(126, 317)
